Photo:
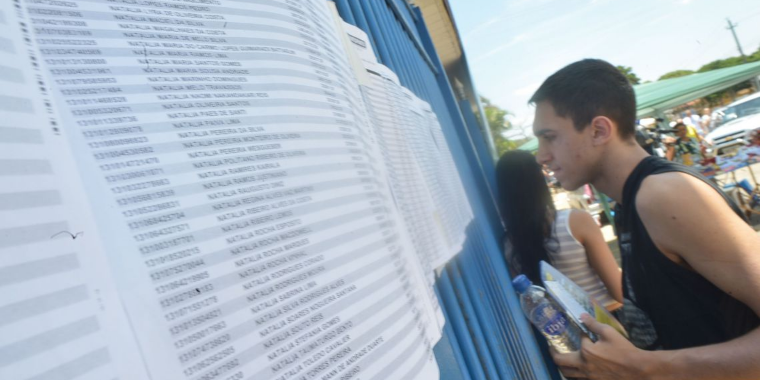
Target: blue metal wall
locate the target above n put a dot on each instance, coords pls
(486, 336)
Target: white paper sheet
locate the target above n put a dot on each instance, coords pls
(248, 231)
(59, 312)
(421, 167)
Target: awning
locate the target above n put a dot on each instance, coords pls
(530, 146)
(655, 97)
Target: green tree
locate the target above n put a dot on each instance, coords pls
(714, 65)
(754, 56)
(728, 62)
(628, 72)
(722, 64)
(496, 117)
(498, 124)
(676, 74)
(721, 96)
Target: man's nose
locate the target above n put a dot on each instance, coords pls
(542, 156)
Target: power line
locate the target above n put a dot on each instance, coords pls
(747, 17)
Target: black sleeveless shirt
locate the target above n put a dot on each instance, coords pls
(686, 309)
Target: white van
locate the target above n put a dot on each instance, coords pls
(739, 119)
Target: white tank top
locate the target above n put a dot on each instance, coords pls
(570, 258)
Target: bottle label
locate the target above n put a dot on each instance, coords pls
(555, 324)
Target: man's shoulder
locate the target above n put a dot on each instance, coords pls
(675, 192)
(674, 206)
(666, 189)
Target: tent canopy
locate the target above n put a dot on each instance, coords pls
(530, 146)
(653, 98)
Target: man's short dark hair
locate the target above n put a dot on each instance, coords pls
(589, 88)
(678, 125)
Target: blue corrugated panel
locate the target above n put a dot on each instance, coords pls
(361, 22)
(486, 336)
(345, 11)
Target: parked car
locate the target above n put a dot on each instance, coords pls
(740, 119)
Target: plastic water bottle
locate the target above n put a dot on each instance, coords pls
(562, 334)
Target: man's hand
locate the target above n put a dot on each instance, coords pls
(611, 357)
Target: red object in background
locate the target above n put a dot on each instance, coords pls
(590, 198)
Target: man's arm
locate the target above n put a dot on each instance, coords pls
(694, 227)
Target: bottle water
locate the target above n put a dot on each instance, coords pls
(562, 334)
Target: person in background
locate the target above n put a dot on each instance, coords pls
(706, 120)
(570, 240)
(693, 120)
(644, 139)
(686, 118)
(691, 131)
(752, 150)
(695, 271)
(754, 138)
(550, 180)
(683, 149)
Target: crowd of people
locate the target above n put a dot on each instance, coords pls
(688, 291)
(688, 145)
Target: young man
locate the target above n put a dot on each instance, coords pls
(689, 260)
(683, 148)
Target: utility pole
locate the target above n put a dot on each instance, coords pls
(755, 82)
(738, 45)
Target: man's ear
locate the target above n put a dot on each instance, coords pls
(602, 130)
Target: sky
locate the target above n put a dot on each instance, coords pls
(513, 45)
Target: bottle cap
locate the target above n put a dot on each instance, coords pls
(521, 283)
